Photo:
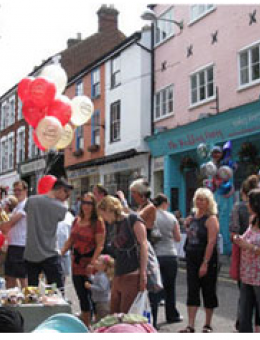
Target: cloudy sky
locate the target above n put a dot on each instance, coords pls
(33, 30)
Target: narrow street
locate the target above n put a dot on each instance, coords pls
(224, 317)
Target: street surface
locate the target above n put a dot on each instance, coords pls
(223, 319)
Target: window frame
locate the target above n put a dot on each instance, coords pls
(207, 98)
(203, 14)
(95, 128)
(159, 106)
(168, 26)
(248, 50)
(95, 83)
(115, 72)
(115, 124)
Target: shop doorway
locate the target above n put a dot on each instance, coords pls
(191, 186)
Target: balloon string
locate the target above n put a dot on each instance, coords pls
(51, 164)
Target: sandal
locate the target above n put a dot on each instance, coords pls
(188, 329)
(207, 329)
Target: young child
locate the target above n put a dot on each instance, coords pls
(100, 286)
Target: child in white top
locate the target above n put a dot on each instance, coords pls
(101, 285)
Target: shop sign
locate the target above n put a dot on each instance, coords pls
(34, 166)
(81, 172)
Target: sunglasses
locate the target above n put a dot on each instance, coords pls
(87, 203)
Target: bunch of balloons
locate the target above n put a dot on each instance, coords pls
(46, 184)
(51, 114)
(219, 170)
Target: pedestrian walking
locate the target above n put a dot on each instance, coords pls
(249, 242)
(165, 248)
(100, 286)
(130, 266)
(41, 251)
(16, 229)
(202, 258)
(86, 242)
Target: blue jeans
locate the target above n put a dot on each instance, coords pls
(168, 268)
(249, 298)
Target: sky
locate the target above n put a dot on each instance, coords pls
(33, 30)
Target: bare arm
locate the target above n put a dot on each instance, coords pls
(67, 246)
(6, 226)
(140, 233)
(177, 232)
(148, 214)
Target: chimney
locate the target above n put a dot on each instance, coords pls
(73, 41)
(107, 18)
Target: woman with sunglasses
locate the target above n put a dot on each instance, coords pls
(86, 241)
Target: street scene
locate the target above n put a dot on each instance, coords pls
(130, 172)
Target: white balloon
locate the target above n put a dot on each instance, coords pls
(49, 131)
(82, 109)
(225, 172)
(211, 169)
(57, 74)
(66, 137)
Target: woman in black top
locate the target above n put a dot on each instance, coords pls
(202, 258)
(130, 266)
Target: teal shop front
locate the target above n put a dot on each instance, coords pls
(178, 147)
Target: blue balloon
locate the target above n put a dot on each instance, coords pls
(225, 188)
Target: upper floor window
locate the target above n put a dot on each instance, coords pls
(4, 154)
(115, 72)
(34, 151)
(164, 103)
(163, 28)
(79, 138)
(20, 112)
(20, 147)
(95, 83)
(95, 128)
(249, 65)
(79, 91)
(198, 11)
(202, 85)
(115, 122)
(11, 150)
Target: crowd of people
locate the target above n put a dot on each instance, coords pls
(105, 249)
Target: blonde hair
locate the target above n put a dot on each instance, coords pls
(109, 266)
(111, 204)
(208, 195)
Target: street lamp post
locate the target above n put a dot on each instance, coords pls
(150, 15)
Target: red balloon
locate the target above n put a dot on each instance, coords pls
(2, 239)
(45, 184)
(36, 141)
(61, 109)
(42, 92)
(23, 88)
(32, 114)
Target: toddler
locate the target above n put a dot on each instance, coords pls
(100, 286)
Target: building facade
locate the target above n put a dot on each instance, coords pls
(207, 86)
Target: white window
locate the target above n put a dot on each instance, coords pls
(115, 122)
(20, 145)
(202, 85)
(198, 11)
(163, 103)
(20, 113)
(95, 128)
(34, 151)
(249, 65)
(12, 110)
(95, 86)
(80, 138)
(5, 115)
(79, 88)
(11, 150)
(115, 72)
(163, 28)
(4, 154)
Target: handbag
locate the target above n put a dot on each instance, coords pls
(154, 280)
(234, 270)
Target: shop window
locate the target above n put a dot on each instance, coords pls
(249, 66)
(202, 86)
